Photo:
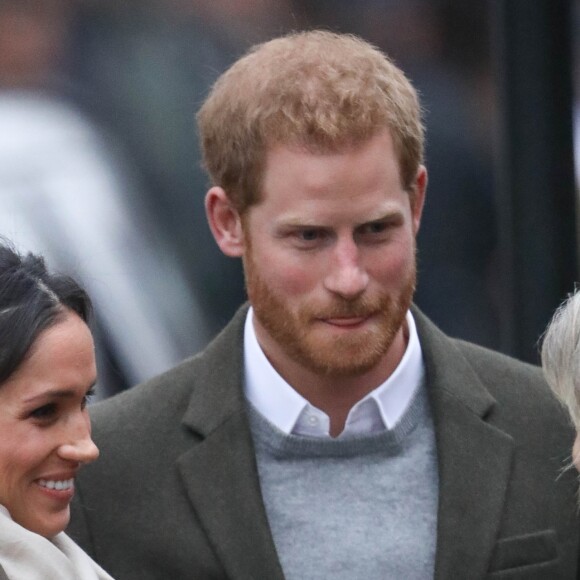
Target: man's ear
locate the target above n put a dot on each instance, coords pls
(418, 197)
(225, 222)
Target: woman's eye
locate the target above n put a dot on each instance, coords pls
(87, 398)
(45, 412)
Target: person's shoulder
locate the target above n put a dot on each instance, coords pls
(490, 366)
(519, 388)
(163, 399)
(155, 400)
(502, 366)
(522, 402)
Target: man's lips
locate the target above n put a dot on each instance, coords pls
(346, 322)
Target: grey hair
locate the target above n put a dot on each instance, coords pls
(53, 297)
(561, 355)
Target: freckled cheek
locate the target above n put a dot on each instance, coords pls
(295, 280)
(388, 268)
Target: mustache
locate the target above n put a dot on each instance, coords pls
(357, 308)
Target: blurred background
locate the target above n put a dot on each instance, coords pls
(100, 165)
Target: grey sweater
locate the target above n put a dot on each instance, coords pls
(356, 507)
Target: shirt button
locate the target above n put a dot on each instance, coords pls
(313, 420)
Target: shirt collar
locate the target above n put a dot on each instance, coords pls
(290, 412)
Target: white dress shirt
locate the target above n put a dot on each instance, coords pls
(290, 412)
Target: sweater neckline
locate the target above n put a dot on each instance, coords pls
(271, 439)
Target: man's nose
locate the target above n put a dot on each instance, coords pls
(346, 276)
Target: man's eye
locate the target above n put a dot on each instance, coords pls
(309, 235)
(375, 228)
(45, 412)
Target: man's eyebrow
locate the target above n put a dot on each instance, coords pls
(388, 215)
(296, 221)
(383, 217)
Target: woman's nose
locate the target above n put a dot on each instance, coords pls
(79, 446)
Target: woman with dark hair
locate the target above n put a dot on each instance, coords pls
(47, 373)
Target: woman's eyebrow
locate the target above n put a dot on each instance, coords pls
(56, 393)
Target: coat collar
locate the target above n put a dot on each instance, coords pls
(221, 478)
(220, 472)
(218, 394)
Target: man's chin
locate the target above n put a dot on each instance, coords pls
(345, 356)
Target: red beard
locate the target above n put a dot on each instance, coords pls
(303, 335)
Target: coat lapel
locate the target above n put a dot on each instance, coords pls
(220, 472)
(474, 457)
